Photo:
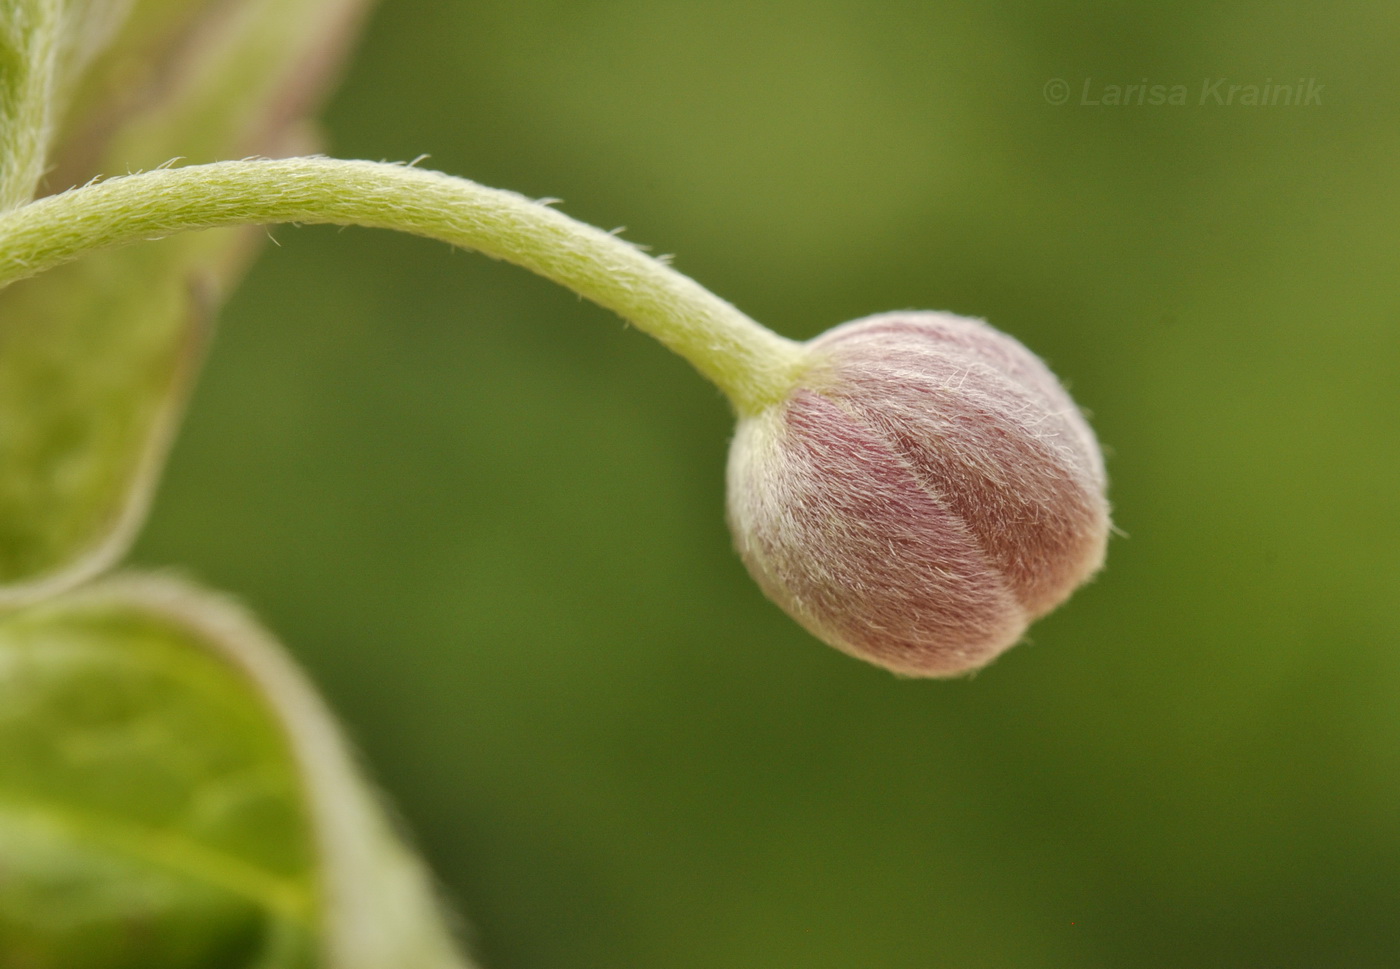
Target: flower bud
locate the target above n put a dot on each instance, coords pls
(924, 492)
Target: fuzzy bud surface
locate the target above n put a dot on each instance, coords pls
(925, 492)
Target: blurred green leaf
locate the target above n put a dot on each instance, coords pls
(174, 794)
(29, 42)
(150, 810)
(45, 45)
(96, 357)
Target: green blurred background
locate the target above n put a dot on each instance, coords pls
(489, 518)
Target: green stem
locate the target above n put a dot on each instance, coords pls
(752, 365)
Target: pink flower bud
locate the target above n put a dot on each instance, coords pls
(925, 492)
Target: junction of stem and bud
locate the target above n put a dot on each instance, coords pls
(924, 491)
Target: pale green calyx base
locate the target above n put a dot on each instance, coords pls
(752, 365)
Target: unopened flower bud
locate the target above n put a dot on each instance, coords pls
(924, 492)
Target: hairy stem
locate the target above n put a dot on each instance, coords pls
(752, 365)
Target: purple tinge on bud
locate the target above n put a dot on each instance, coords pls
(926, 491)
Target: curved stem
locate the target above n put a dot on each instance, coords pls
(752, 365)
